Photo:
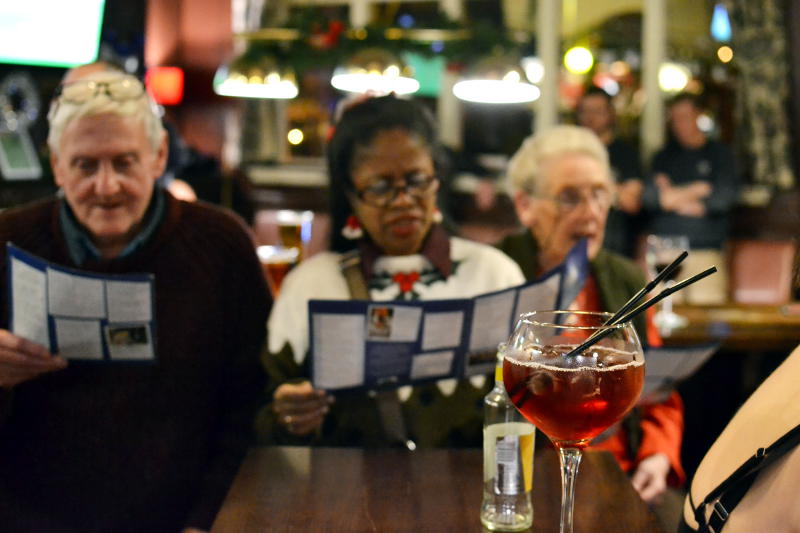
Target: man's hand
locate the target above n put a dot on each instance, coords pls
(650, 478)
(686, 200)
(22, 360)
(300, 407)
(695, 209)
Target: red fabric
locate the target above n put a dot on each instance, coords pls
(653, 336)
(662, 432)
(406, 280)
(661, 423)
(589, 297)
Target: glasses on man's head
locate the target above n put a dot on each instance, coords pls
(81, 91)
(570, 198)
(383, 191)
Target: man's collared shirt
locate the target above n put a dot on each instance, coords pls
(79, 243)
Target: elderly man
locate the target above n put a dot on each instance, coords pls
(111, 446)
(562, 194)
(180, 189)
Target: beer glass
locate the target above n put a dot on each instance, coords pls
(276, 261)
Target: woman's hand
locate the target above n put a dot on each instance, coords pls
(650, 478)
(300, 407)
(22, 360)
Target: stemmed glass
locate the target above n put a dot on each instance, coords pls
(661, 251)
(572, 398)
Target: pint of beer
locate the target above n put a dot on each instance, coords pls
(276, 261)
(294, 229)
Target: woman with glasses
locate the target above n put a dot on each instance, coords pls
(387, 244)
(562, 192)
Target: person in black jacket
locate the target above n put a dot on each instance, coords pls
(692, 190)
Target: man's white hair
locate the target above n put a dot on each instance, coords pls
(63, 112)
(524, 169)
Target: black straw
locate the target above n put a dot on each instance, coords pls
(641, 308)
(615, 318)
(647, 288)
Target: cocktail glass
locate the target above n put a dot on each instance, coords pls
(572, 398)
(661, 250)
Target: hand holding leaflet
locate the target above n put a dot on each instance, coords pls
(81, 315)
(22, 360)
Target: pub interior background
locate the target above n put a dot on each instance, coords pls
(260, 156)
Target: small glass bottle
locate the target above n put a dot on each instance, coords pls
(508, 441)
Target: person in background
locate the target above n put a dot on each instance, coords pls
(595, 110)
(562, 192)
(692, 190)
(387, 244)
(109, 446)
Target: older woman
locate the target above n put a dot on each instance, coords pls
(384, 165)
(562, 193)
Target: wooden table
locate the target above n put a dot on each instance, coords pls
(739, 327)
(340, 490)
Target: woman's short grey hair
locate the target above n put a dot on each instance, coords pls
(524, 169)
(63, 112)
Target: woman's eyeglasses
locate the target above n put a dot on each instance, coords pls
(384, 191)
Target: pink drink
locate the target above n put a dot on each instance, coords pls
(572, 400)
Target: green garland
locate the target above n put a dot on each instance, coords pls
(319, 42)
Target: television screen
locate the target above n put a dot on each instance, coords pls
(51, 33)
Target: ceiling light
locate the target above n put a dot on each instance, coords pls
(495, 80)
(261, 77)
(578, 60)
(374, 70)
(673, 77)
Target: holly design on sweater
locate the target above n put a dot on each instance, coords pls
(408, 282)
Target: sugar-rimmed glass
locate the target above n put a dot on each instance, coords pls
(572, 399)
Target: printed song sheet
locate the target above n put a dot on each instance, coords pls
(81, 315)
(665, 367)
(367, 344)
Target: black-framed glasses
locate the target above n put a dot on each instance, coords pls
(119, 89)
(383, 192)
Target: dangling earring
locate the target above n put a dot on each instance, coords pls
(437, 216)
(352, 229)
